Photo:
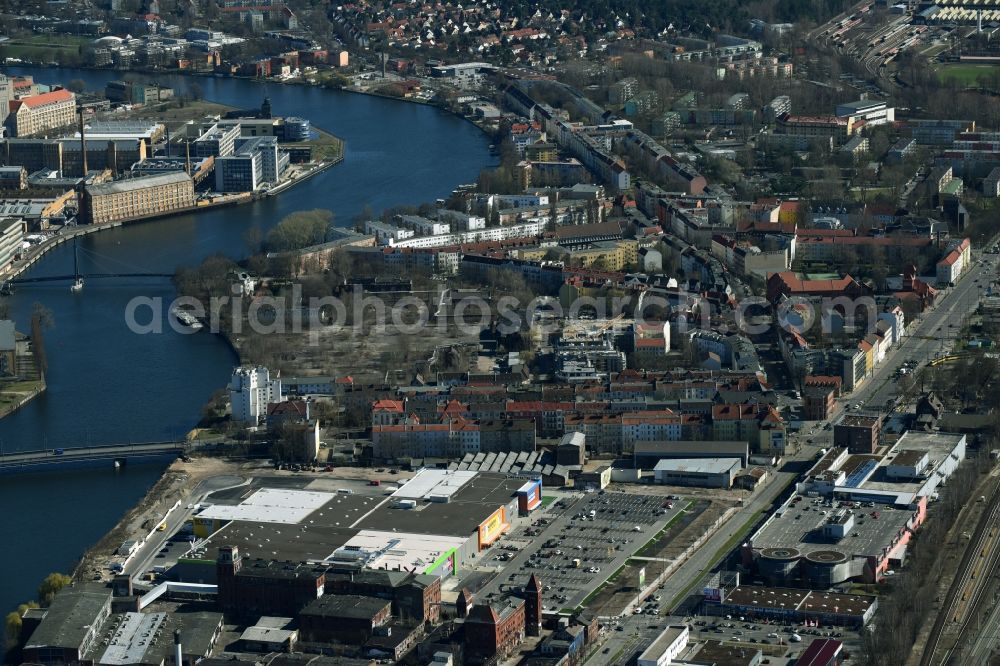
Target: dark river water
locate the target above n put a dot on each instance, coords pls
(108, 385)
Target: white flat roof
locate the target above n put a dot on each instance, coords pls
(698, 465)
(400, 550)
(427, 482)
(267, 634)
(271, 505)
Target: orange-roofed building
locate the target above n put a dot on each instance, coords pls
(789, 212)
(387, 412)
(31, 115)
(956, 262)
(787, 284)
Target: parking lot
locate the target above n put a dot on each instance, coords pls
(578, 544)
(771, 636)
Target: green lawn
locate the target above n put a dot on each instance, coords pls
(965, 73)
(325, 146)
(59, 41)
(12, 393)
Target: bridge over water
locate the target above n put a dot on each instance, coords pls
(78, 278)
(21, 462)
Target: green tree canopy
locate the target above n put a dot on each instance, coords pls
(299, 230)
(12, 626)
(51, 586)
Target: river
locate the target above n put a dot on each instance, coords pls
(107, 385)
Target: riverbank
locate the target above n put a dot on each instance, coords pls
(69, 233)
(66, 234)
(292, 82)
(179, 483)
(14, 395)
(400, 153)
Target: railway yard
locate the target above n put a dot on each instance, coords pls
(965, 630)
(876, 37)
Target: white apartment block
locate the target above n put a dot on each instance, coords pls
(460, 221)
(251, 389)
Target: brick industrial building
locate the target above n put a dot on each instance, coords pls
(494, 631)
(137, 198)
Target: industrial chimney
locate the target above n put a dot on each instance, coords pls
(178, 652)
(83, 142)
(187, 157)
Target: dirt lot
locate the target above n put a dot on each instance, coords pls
(365, 357)
(173, 114)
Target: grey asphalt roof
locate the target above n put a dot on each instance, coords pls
(70, 616)
(132, 184)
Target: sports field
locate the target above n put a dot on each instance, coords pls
(965, 73)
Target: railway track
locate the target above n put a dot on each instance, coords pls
(969, 590)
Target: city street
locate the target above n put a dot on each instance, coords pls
(933, 335)
(147, 555)
(638, 630)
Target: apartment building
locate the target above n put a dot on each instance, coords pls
(623, 90)
(955, 262)
(453, 438)
(608, 255)
(939, 132)
(817, 127)
(777, 107)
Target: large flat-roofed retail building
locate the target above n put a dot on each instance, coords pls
(795, 605)
(909, 472)
(809, 540)
(435, 523)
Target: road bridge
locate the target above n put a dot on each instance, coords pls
(110, 456)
